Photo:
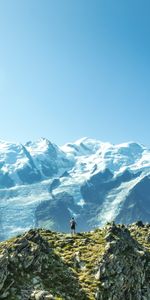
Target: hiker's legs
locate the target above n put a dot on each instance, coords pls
(73, 231)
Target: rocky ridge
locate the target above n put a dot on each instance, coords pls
(110, 263)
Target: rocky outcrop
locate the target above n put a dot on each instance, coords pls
(3, 268)
(27, 253)
(124, 270)
(112, 263)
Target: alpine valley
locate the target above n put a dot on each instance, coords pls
(43, 185)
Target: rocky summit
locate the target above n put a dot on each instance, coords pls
(112, 263)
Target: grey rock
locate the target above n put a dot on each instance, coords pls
(3, 268)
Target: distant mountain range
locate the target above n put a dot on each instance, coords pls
(42, 185)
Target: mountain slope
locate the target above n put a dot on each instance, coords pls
(32, 162)
(42, 185)
(108, 263)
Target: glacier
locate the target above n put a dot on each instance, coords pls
(42, 184)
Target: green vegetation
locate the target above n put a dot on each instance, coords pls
(81, 253)
(67, 267)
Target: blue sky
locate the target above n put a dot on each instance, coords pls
(78, 68)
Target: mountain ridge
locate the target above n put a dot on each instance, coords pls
(15, 156)
(94, 181)
(107, 263)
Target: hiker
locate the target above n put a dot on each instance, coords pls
(73, 225)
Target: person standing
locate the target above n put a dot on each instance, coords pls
(73, 225)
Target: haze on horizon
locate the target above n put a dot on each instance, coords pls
(70, 69)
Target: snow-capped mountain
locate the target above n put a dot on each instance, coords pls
(29, 163)
(42, 184)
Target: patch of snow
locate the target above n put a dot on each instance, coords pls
(114, 201)
(81, 202)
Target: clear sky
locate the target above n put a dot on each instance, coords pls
(75, 68)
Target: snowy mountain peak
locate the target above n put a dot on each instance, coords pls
(84, 155)
(81, 147)
(42, 184)
(87, 146)
(37, 147)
